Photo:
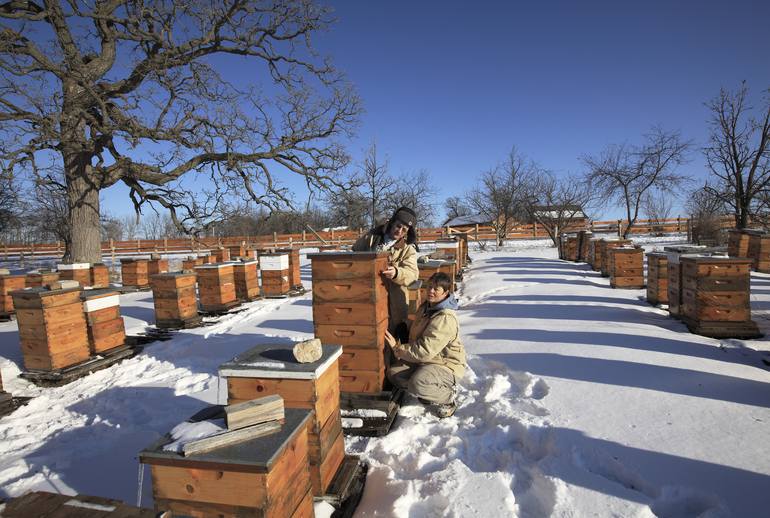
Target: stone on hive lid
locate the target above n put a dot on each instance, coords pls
(308, 351)
(5, 271)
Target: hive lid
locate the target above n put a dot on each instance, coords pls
(277, 361)
(172, 275)
(346, 254)
(255, 455)
(133, 260)
(98, 293)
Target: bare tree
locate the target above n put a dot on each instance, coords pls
(10, 203)
(416, 191)
(556, 203)
(348, 207)
(502, 193)
(738, 152)
(706, 211)
(456, 207)
(375, 181)
(137, 92)
(657, 206)
(624, 174)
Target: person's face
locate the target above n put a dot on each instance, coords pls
(436, 294)
(398, 230)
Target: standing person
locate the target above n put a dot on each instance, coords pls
(429, 365)
(397, 237)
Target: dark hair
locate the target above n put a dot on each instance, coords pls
(441, 280)
(411, 235)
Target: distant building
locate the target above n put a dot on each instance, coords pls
(468, 222)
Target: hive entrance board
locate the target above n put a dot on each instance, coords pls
(347, 487)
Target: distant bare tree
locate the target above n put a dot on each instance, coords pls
(348, 207)
(738, 153)
(502, 193)
(557, 202)
(10, 203)
(456, 207)
(416, 191)
(706, 211)
(112, 228)
(624, 174)
(657, 206)
(375, 182)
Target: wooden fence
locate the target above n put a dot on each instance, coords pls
(336, 237)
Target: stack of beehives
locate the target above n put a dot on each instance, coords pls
(446, 249)
(275, 274)
(295, 280)
(626, 267)
(246, 276)
(221, 254)
(237, 251)
(9, 283)
(657, 278)
(605, 245)
(571, 247)
(38, 278)
(80, 272)
(216, 287)
(135, 272)
(462, 252)
(99, 276)
(584, 240)
(157, 265)
(176, 305)
(674, 253)
(759, 251)
(350, 308)
(191, 262)
(593, 252)
(738, 242)
(105, 325)
(715, 297)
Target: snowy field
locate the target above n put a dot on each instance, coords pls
(580, 400)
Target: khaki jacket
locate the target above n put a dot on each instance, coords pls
(434, 338)
(404, 257)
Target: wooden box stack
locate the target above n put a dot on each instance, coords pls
(313, 386)
(446, 249)
(8, 284)
(222, 254)
(80, 272)
(246, 277)
(263, 477)
(738, 242)
(156, 266)
(191, 262)
(759, 251)
(462, 252)
(135, 272)
(54, 505)
(99, 276)
(207, 258)
(295, 281)
(236, 251)
(584, 243)
(627, 267)
(571, 248)
(105, 325)
(415, 298)
(715, 296)
(350, 308)
(674, 253)
(251, 253)
(605, 246)
(176, 305)
(275, 274)
(216, 287)
(38, 278)
(52, 328)
(657, 278)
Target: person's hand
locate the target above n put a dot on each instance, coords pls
(390, 340)
(389, 272)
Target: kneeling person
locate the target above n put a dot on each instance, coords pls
(433, 360)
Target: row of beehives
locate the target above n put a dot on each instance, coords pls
(707, 290)
(752, 244)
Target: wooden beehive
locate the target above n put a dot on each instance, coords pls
(156, 266)
(55, 505)
(251, 253)
(674, 267)
(9, 283)
(275, 274)
(207, 258)
(570, 247)
(462, 250)
(272, 369)
(246, 277)
(415, 298)
(105, 325)
(593, 252)
(80, 272)
(222, 254)
(237, 251)
(350, 308)
(191, 262)
(176, 305)
(295, 280)
(216, 287)
(38, 278)
(657, 278)
(99, 276)
(715, 296)
(738, 242)
(759, 251)
(584, 241)
(607, 245)
(265, 477)
(446, 249)
(135, 272)
(627, 267)
(52, 328)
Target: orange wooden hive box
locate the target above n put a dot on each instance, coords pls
(627, 267)
(593, 251)
(99, 276)
(176, 304)
(738, 242)
(584, 240)
(715, 296)
(80, 272)
(38, 278)
(9, 283)
(674, 253)
(156, 266)
(605, 247)
(350, 308)
(105, 325)
(52, 328)
(135, 272)
(246, 276)
(295, 281)
(216, 287)
(236, 251)
(272, 369)
(657, 278)
(53, 505)
(759, 251)
(222, 254)
(275, 274)
(191, 262)
(571, 248)
(448, 249)
(264, 477)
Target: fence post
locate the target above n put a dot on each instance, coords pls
(332, 235)
(138, 246)
(275, 239)
(304, 238)
(620, 228)
(534, 229)
(477, 232)
(165, 244)
(678, 224)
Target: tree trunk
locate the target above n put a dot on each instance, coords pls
(83, 201)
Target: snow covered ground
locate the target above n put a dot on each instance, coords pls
(580, 400)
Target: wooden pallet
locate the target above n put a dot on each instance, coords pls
(59, 377)
(387, 401)
(150, 335)
(130, 289)
(222, 309)
(742, 330)
(347, 487)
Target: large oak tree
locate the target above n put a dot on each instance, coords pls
(138, 92)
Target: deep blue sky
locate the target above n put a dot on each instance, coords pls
(450, 86)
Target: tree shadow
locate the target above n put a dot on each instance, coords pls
(294, 326)
(138, 312)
